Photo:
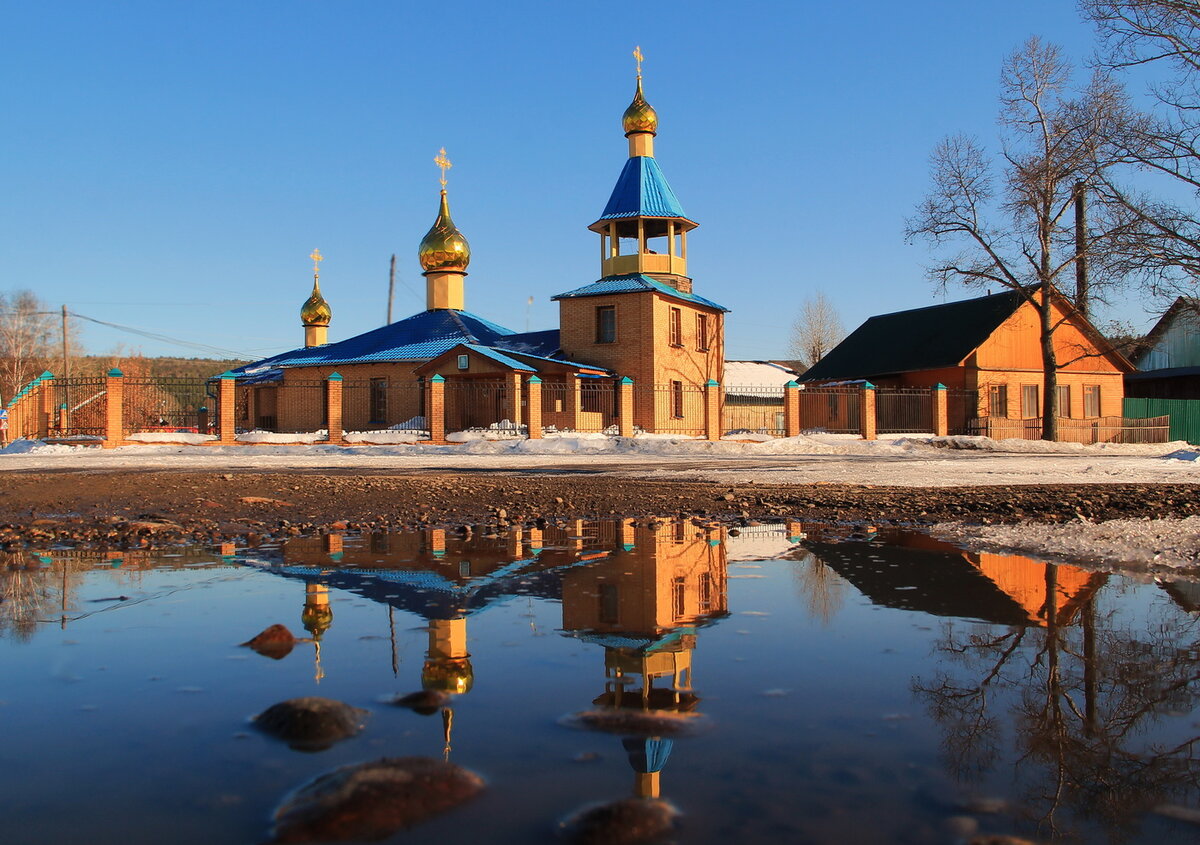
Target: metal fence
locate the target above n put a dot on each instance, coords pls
(80, 407)
(383, 404)
(1184, 415)
(1098, 430)
(962, 406)
(285, 407)
(757, 409)
(672, 408)
(482, 405)
(903, 410)
(596, 400)
(165, 405)
(833, 409)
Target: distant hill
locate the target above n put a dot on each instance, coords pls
(164, 367)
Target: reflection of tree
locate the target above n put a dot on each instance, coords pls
(1086, 696)
(822, 589)
(27, 596)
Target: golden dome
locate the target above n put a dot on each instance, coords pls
(315, 311)
(448, 675)
(444, 247)
(317, 619)
(640, 116)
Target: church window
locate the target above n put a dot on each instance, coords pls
(606, 324)
(1091, 400)
(464, 362)
(677, 399)
(676, 327)
(377, 410)
(701, 332)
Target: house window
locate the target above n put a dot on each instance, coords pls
(463, 362)
(676, 327)
(998, 400)
(606, 324)
(677, 597)
(1031, 405)
(677, 399)
(464, 568)
(701, 332)
(378, 401)
(609, 605)
(1091, 400)
(1064, 400)
(706, 591)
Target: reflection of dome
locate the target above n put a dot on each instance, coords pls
(640, 116)
(451, 675)
(315, 311)
(444, 247)
(316, 619)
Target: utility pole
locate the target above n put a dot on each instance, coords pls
(66, 370)
(1082, 300)
(391, 288)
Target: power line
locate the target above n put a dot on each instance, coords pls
(162, 338)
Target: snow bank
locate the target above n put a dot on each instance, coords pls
(190, 438)
(276, 437)
(386, 437)
(1137, 543)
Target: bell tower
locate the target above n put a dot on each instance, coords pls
(643, 229)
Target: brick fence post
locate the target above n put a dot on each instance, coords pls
(114, 409)
(574, 403)
(49, 414)
(625, 407)
(435, 409)
(941, 415)
(225, 408)
(533, 417)
(202, 419)
(62, 418)
(867, 415)
(791, 409)
(712, 410)
(333, 407)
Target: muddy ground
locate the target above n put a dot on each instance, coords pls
(140, 509)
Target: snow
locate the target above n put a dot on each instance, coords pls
(189, 438)
(274, 437)
(386, 436)
(1149, 544)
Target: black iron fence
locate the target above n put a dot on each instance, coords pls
(754, 409)
(903, 410)
(383, 404)
(672, 408)
(165, 405)
(833, 409)
(79, 407)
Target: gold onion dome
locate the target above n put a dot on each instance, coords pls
(316, 311)
(453, 675)
(444, 247)
(640, 116)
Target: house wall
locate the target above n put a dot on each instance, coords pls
(1179, 345)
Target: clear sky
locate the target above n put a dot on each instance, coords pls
(170, 166)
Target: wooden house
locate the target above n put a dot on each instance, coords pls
(1168, 358)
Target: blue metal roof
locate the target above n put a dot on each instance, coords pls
(632, 283)
(417, 338)
(541, 344)
(642, 191)
(500, 357)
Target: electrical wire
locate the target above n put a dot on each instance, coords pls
(162, 338)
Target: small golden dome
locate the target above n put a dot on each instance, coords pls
(448, 675)
(315, 311)
(444, 247)
(316, 619)
(640, 116)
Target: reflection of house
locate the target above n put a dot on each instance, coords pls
(641, 320)
(1168, 358)
(943, 580)
(989, 346)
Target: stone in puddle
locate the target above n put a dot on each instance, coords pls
(275, 642)
(636, 722)
(371, 801)
(425, 702)
(631, 821)
(312, 723)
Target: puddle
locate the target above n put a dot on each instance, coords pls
(789, 683)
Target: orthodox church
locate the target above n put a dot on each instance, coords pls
(640, 321)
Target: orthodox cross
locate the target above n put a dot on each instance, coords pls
(317, 258)
(444, 163)
(637, 54)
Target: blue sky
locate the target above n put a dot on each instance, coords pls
(169, 166)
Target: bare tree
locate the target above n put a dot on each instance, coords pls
(27, 335)
(817, 329)
(1014, 228)
(1161, 241)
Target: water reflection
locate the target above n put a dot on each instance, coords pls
(1069, 693)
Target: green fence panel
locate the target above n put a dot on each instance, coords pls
(1184, 414)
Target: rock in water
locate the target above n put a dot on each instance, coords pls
(425, 702)
(631, 821)
(373, 800)
(311, 724)
(275, 642)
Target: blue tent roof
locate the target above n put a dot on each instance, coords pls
(642, 191)
(417, 338)
(632, 283)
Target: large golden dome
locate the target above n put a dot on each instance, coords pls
(454, 675)
(444, 247)
(640, 116)
(315, 311)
